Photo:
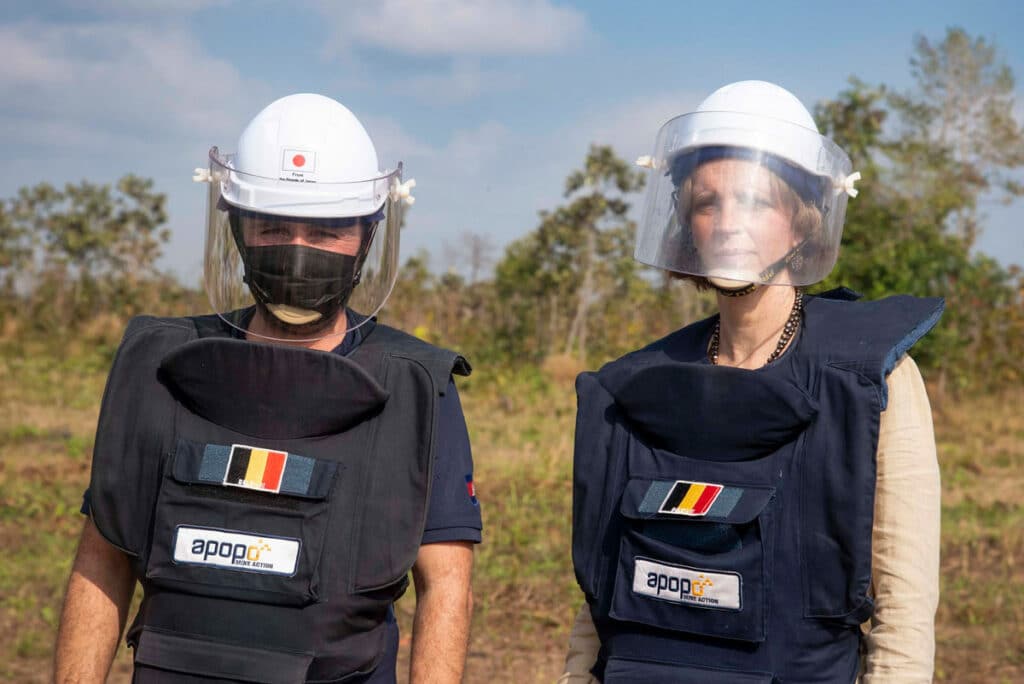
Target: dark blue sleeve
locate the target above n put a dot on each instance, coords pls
(454, 512)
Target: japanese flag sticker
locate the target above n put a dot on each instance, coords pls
(301, 161)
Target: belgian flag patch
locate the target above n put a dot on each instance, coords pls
(255, 468)
(690, 498)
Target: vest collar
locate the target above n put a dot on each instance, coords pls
(271, 391)
(741, 414)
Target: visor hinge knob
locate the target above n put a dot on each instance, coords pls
(847, 184)
(201, 175)
(403, 191)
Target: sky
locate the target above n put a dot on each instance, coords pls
(490, 104)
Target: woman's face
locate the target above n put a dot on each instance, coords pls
(740, 224)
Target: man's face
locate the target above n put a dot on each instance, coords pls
(301, 271)
(341, 236)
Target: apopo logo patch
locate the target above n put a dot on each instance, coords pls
(691, 586)
(236, 550)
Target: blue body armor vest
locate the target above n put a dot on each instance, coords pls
(272, 499)
(722, 517)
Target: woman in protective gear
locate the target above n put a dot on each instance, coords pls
(740, 486)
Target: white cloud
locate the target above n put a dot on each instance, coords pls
(53, 134)
(471, 152)
(463, 155)
(29, 59)
(102, 98)
(454, 27)
(88, 81)
(491, 180)
(463, 183)
(463, 81)
(630, 127)
(123, 8)
(392, 141)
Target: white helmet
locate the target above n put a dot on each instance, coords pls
(305, 155)
(760, 128)
(303, 160)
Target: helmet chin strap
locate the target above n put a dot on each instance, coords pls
(732, 288)
(293, 315)
(738, 288)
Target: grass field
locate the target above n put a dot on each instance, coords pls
(521, 427)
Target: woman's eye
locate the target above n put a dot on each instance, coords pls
(703, 204)
(272, 230)
(754, 201)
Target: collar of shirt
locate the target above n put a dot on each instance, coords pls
(358, 328)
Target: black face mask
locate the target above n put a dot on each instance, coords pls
(299, 276)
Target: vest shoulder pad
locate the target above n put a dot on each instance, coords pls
(868, 336)
(210, 325)
(159, 327)
(131, 399)
(440, 363)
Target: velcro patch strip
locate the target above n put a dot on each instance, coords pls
(688, 498)
(249, 467)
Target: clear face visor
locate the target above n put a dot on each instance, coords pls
(299, 256)
(743, 214)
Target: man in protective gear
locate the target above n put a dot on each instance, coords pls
(271, 473)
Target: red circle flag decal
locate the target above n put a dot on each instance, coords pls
(298, 160)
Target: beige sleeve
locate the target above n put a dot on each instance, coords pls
(905, 541)
(583, 647)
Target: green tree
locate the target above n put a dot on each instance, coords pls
(960, 109)
(95, 229)
(70, 254)
(913, 227)
(578, 258)
(15, 254)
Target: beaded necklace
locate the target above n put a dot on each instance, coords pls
(788, 330)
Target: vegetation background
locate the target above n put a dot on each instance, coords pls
(77, 262)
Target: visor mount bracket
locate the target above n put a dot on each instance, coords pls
(847, 184)
(403, 191)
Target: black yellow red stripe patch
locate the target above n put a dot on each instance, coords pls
(255, 468)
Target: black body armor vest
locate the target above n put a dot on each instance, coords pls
(272, 498)
(722, 517)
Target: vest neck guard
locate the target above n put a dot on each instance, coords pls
(742, 414)
(268, 391)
